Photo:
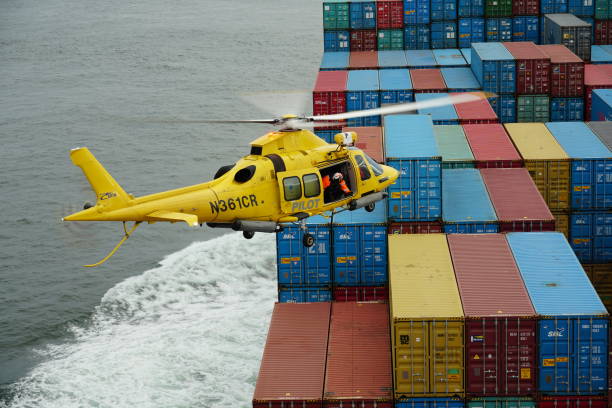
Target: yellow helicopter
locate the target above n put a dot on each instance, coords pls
(289, 175)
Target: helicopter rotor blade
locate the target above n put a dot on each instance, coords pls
(408, 107)
(187, 121)
(278, 103)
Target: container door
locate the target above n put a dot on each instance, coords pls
(482, 349)
(519, 359)
(591, 357)
(411, 358)
(446, 354)
(554, 359)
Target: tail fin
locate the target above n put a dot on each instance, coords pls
(108, 191)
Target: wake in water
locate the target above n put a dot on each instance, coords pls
(188, 333)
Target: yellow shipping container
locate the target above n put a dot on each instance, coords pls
(547, 162)
(601, 278)
(562, 222)
(426, 317)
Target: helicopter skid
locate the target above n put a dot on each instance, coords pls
(367, 200)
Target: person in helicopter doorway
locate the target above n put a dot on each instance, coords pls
(335, 188)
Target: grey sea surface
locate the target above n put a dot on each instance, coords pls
(178, 317)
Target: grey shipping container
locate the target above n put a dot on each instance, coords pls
(570, 31)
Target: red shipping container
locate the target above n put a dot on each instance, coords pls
(565, 401)
(427, 80)
(358, 372)
(425, 227)
(603, 32)
(370, 140)
(363, 40)
(390, 14)
(363, 60)
(329, 94)
(292, 368)
(500, 322)
(566, 71)
(525, 7)
(361, 294)
(532, 68)
(517, 201)
(595, 77)
(476, 112)
(491, 146)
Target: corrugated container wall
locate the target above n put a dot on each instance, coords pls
(336, 40)
(416, 37)
(603, 130)
(470, 8)
(601, 105)
(603, 9)
(603, 33)
(443, 10)
(460, 79)
(361, 293)
(570, 31)
(304, 294)
(573, 330)
(449, 58)
(470, 30)
(430, 403)
(390, 40)
(494, 67)
(526, 28)
(566, 71)
(336, 15)
(362, 92)
(329, 94)
(501, 402)
(566, 109)
(392, 59)
(500, 326)
(334, 61)
(362, 14)
(443, 34)
(363, 40)
(595, 77)
(504, 106)
(390, 14)
(479, 111)
(601, 277)
(491, 146)
(591, 236)
(426, 318)
(363, 60)
(572, 401)
(423, 227)
(532, 68)
(416, 12)
(498, 29)
(427, 80)
(419, 59)
(453, 147)
(494, 8)
(525, 7)
(395, 86)
(532, 108)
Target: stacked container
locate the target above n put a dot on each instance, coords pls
(395, 86)
(479, 111)
(440, 115)
(453, 147)
(363, 60)
(362, 92)
(460, 79)
(595, 77)
(491, 146)
(427, 81)
(570, 31)
(370, 140)
(601, 104)
(334, 61)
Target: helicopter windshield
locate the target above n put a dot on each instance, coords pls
(375, 166)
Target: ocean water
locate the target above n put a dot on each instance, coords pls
(178, 317)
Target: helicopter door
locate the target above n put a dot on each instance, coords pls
(300, 191)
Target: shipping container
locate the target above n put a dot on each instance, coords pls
(601, 278)
(358, 357)
(570, 31)
(304, 294)
(336, 40)
(466, 207)
(573, 330)
(416, 37)
(359, 246)
(395, 86)
(361, 294)
(479, 111)
(426, 318)
(418, 59)
(526, 28)
(336, 15)
(601, 54)
(362, 14)
(362, 92)
(471, 29)
(494, 67)
(334, 61)
(423, 227)
(498, 29)
(591, 167)
(581, 8)
(566, 71)
(392, 59)
(566, 109)
(591, 236)
(467, 55)
(412, 150)
(532, 68)
(427, 81)
(292, 367)
(416, 12)
(443, 34)
(574, 401)
(327, 135)
(460, 79)
(601, 104)
(470, 8)
(329, 93)
(443, 10)
(501, 402)
(391, 40)
(562, 222)
(498, 8)
(390, 14)
(430, 403)
(552, 6)
(595, 77)
(525, 7)
(370, 140)
(363, 40)
(449, 58)
(603, 9)
(532, 108)
(363, 60)
(603, 130)
(500, 325)
(546, 161)
(517, 201)
(504, 106)
(453, 147)
(491, 146)
(441, 115)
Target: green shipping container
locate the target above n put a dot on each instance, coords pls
(603, 9)
(498, 8)
(336, 15)
(501, 402)
(390, 40)
(532, 108)
(454, 147)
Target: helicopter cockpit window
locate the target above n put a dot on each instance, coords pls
(312, 187)
(364, 172)
(375, 166)
(293, 188)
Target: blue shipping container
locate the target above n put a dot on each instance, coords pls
(494, 67)
(553, 6)
(466, 206)
(460, 79)
(467, 55)
(412, 149)
(416, 37)
(444, 34)
(591, 180)
(442, 115)
(335, 60)
(601, 105)
(573, 330)
(362, 14)
(327, 135)
(470, 8)
(336, 41)
(526, 28)
(303, 294)
(591, 236)
(504, 106)
(416, 12)
(581, 8)
(449, 58)
(566, 109)
(499, 29)
(600, 54)
(417, 59)
(392, 59)
(395, 86)
(429, 403)
(443, 10)
(363, 93)
(470, 30)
